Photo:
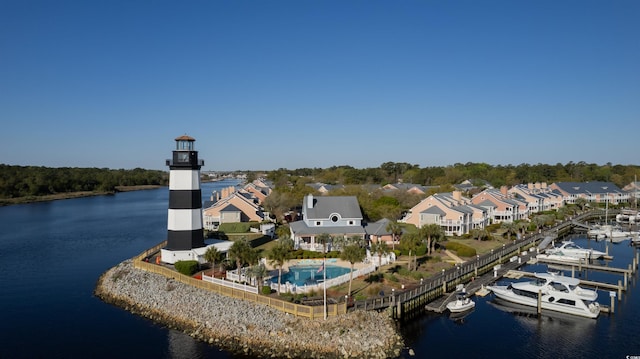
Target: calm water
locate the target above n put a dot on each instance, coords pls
(51, 255)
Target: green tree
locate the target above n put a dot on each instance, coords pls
(411, 241)
(278, 256)
(242, 253)
(480, 234)
(431, 232)
(396, 230)
(258, 272)
(380, 248)
(510, 228)
(581, 202)
(352, 253)
(324, 239)
(213, 255)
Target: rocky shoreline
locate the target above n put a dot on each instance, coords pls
(240, 326)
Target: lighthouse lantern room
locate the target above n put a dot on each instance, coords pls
(184, 220)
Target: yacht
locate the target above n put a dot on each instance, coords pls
(613, 233)
(570, 248)
(557, 293)
(560, 256)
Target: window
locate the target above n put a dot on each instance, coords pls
(318, 223)
(334, 218)
(351, 223)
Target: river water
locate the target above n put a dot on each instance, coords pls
(52, 253)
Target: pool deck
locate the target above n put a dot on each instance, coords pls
(317, 261)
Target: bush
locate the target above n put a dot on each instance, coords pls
(266, 290)
(186, 267)
(461, 249)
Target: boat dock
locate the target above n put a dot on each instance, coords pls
(434, 293)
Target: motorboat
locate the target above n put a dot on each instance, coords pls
(552, 292)
(462, 302)
(559, 256)
(570, 248)
(613, 233)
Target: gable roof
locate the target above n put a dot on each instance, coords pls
(323, 207)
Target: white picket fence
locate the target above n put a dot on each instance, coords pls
(230, 284)
(292, 288)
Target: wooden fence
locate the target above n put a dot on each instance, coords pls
(300, 310)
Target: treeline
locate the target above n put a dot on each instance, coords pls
(499, 175)
(24, 181)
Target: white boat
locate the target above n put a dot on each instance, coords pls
(461, 304)
(558, 255)
(570, 248)
(554, 292)
(613, 233)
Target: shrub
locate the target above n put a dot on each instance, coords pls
(461, 249)
(266, 290)
(374, 290)
(186, 267)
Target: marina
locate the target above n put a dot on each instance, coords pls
(479, 274)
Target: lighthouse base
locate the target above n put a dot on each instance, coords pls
(171, 257)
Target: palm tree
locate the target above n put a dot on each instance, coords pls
(396, 230)
(241, 252)
(510, 228)
(258, 272)
(278, 256)
(212, 255)
(324, 238)
(381, 248)
(352, 253)
(581, 202)
(431, 231)
(411, 241)
(479, 233)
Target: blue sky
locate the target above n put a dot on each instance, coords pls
(292, 84)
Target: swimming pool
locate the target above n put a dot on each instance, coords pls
(309, 275)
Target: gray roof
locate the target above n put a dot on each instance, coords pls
(434, 210)
(377, 228)
(588, 187)
(323, 207)
(230, 208)
(301, 228)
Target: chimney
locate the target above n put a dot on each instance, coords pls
(537, 185)
(457, 195)
(530, 186)
(544, 185)
(309, 201)
(504, 190)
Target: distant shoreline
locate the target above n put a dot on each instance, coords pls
(71, 195)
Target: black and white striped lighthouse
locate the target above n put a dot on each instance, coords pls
(184, 223)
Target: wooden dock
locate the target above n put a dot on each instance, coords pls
(434, 293)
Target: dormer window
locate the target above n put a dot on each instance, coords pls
(334, 217)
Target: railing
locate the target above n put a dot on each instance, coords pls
(461, 273)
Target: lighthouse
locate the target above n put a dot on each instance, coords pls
(184, 219)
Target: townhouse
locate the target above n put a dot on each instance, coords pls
(338, 216)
